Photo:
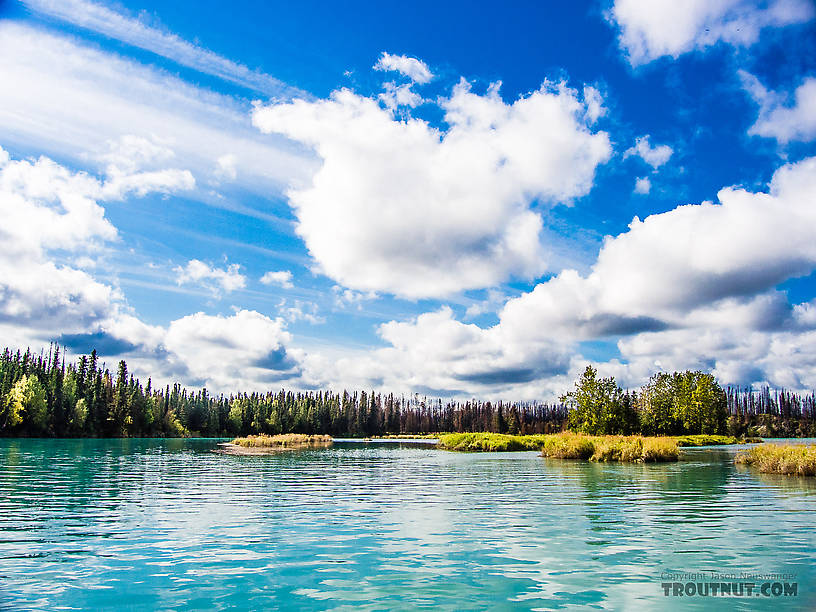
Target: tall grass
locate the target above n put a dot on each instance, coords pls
(709, 440)
(490, 442)
(569, 446)
(418, 436)
(283, 441)
(792, 459)
(638, 449)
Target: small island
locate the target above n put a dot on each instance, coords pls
(264, 445)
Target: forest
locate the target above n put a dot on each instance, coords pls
(43, 396)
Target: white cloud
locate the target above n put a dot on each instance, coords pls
(736, 355)
(410, 67)
(283, 278)
(249, 348)
(594, 104)
(131, 153)
(675, 262)
(495, 299)
(777, 117)
(395, 96)
(650, 29)
(643, 185)
(134, 31)
(227, 167)
(217, 280)
(301, 311)
(654, 156)
(114, 108)
(403, 207)
(683, 289)
(435, 354)
(348, 297)
(52, 217)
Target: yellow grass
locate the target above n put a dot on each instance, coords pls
(569, 446)
(791, 459)
(283, 441)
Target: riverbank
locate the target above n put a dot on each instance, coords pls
(569, 445)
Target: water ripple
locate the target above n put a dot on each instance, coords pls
(168, 525)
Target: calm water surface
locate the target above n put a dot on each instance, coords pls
(169, 525)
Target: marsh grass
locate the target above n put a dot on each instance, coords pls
(790, 459)
(419, 436)
(569, 446)
(283, 441)
(709, 440)
(628, 449)
(489, 442)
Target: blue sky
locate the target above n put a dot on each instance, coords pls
(455, 200)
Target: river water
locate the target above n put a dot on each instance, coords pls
(170, 525)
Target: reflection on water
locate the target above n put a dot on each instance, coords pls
(155, 524)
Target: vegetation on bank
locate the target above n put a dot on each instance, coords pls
(42, 395)
(490, 442)
(284, 441)
(417, 436)
(631, 449)
(569, 446)
(712, 440)
(790, 459)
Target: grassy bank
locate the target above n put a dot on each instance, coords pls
(792, 459)
(712, 440)
(428, 436)
(569, 446)
(631, 449)
(490, 442)
(283, 441)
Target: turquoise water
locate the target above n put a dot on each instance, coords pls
(169, 525)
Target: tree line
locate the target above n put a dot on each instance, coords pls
(42, 395)
(682, 403)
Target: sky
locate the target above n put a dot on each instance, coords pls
(460, 200)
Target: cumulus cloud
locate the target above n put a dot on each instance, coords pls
(400, 206)
(649, 29)
(778, 117)
(217, 280)
(436, 354)
(395, 96)
(683, 289)
(48, 209)
(678, 261)
(643, 185)
(249, 348)
(654, 156)
(409, 67)
(283, 278)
